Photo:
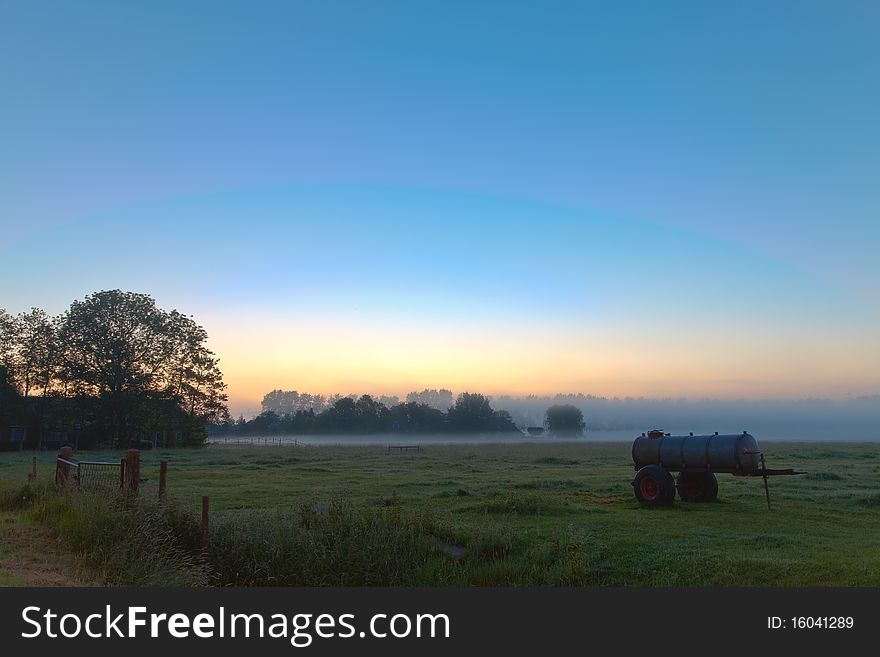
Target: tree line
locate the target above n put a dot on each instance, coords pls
(287, 402)
(112, 369)
(336, 414)
(470, 413)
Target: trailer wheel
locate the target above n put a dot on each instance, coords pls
(711, 487)
(697, 486)
(654, 486)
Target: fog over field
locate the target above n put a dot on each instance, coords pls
(806, 419)
(613, 419)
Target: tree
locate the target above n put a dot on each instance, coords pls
(30, 350)
(388, 400)
(502, 421)
(194, 379)
(471, 412)
(439, 399)
(10, 402)
(564, 419)
(372, 415)
(418, 418)
(8, 340)
(286, 402)
(134, 357)
(347, 415)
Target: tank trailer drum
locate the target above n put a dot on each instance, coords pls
(696, 459)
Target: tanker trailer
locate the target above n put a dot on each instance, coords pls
(696, 459)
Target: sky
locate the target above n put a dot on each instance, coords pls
(630, 198)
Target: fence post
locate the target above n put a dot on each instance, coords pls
(33, 474)
(62, 470)
(204, 522)
(163, 474)
(132, 470)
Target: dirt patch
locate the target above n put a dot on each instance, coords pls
(31, 556)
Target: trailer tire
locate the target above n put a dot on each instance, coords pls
(654, 486)
(697, 486)
(711, 487)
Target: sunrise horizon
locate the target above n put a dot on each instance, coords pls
(607, 214)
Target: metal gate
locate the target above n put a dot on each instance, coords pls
(90, 475)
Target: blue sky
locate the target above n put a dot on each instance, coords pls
(538, 179)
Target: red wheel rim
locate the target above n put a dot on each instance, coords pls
(649, 488)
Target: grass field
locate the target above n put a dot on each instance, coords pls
(498, 514)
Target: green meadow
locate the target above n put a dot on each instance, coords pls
(512, 514)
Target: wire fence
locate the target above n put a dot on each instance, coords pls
(99, 475)
(95, 476)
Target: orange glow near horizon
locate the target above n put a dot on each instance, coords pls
(334, 357)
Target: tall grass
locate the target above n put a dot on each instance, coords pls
(337, 545)
(135, 543)
(129, 543)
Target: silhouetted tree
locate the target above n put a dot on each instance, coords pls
(502, 421)
(471, 412)
(10, 401)
(418, 418)
(31, 351)
(121, 349)
(347, 415)
(372, 415)
(285, 402)
(7, 340)
(265, 422)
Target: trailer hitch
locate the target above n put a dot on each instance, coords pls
(771, 472)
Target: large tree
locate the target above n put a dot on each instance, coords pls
(146, 366)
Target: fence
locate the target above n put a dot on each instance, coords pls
(278, 441)
(106, 476)
(110, 477)
(90, 475)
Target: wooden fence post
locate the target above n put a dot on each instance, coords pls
(204, 522)
(62, 470)
(163, 475)
(132, 470)
(33, 473)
